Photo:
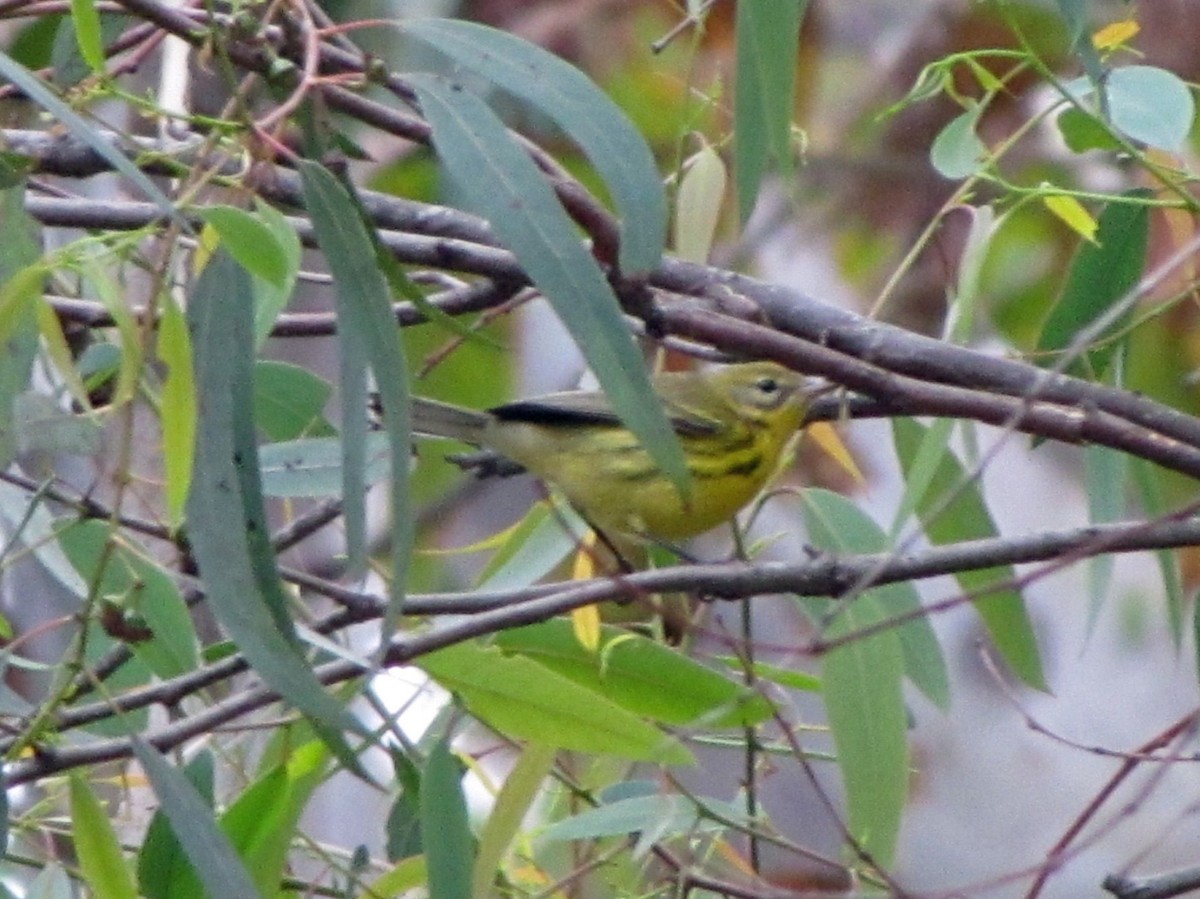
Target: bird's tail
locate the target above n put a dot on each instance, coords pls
(434, 419)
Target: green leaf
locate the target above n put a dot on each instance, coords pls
(503, 185)
(403, 827)
(527, 701)
(965, 517)
(261, 822)
(250, 241)
(367, 323)
(565, 95)
(68, 57)
(100, 857)
(312, 466)
(640, 675)
(521, 787)
(655, 814)
(957, 152)
(541, 540)
(37, 91)
(178, 408)
(698, 205)
(450, 858)
(86, 20)
(861, 687)
(1101, 276)
(22, 280)
(1083, 131)
(269, 298)
(767, 33)
(139, 587)
(289, 401)
(227, 523)
(212, 856)
(1151, 105)
(837, 525)
(1106, 473)
(1148, 481)
(163, 864)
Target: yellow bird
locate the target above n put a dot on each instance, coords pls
(733, 422)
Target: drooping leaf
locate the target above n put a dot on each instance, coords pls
(450, 857)
(371, 337)
(178, 408)
(503, 185)
(767, 34)
(520, 790)
(37, 91)
(163, 864)
(861, 683)
(227, 523)
(20, 284)
(966, 517)
(100, 856)
(570, 99)
(212, 856)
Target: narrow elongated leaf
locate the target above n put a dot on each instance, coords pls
(22, 284)
(34, 88)
(665, 815)
(841, 527)
(225, 513)
(100, 857)
(450, 857)
(527, 701)
(163, 864)
(521, 788)
(271, 298)
(86, 20)
(178, 408)
(213, 858)
(261, 822)
(1148, 481)
(503, 185)
(367, 327)
(1101, 276)
(964, 518)
(313, 466)
(861, 688)
(768, 32)
(565, 95)
(640, 675)
(698, 205)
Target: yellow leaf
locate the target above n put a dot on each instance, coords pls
(585, 621)
(1115, 35)
(1073, 213)
(826, 437)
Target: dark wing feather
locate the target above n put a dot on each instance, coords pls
(577, 408)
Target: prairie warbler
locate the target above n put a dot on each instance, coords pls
(733, 423)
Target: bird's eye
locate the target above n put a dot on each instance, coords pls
(768, 385)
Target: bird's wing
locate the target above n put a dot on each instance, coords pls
(593, 408)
